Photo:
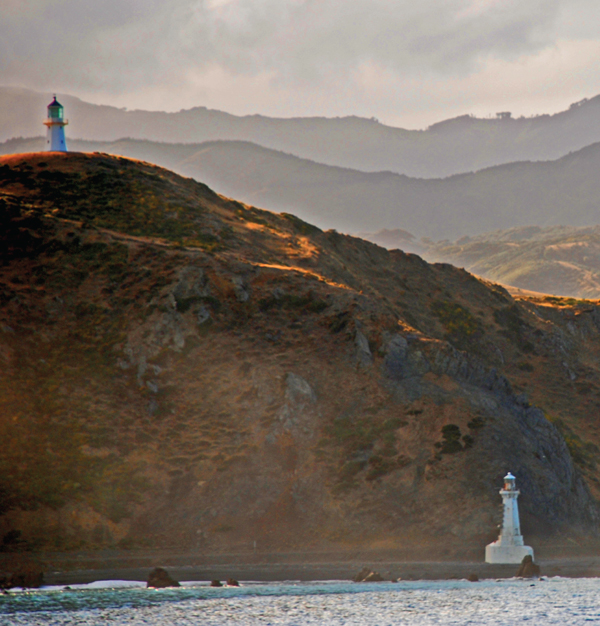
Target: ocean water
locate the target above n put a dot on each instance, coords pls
(420, 603)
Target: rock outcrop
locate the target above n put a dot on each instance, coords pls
(523, 431)
(159, 578)
(528, 569)
(367, 575)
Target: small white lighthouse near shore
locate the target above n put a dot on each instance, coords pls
(508, 548)
(55, 122)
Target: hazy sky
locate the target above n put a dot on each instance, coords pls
(407, 62)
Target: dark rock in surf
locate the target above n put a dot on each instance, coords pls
(367, 575)
(364, 572)
(528, 569)
(159, 579)
(373, 577)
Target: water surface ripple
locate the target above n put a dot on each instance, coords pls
(503, 603)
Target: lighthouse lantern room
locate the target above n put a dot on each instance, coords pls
(55, 122)
(509, 547)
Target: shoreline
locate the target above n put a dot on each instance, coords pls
(68, 568)
(278, 572)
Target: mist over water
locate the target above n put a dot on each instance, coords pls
(507, 602)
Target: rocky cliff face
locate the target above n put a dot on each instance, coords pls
(180, 369)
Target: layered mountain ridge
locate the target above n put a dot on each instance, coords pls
(449, 147)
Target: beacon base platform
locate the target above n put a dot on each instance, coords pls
(495, 553)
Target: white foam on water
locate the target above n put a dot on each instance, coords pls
(97, 584)
(508, 602)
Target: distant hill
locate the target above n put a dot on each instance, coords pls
(565, 191)
(559, 260)
(449, 147)
(181, 371)
(395, 239)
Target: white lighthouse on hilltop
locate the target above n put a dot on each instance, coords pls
(508, 548)
(55, 137)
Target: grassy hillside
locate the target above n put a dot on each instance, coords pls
(450, 147)
(182, 370)
(520, 194)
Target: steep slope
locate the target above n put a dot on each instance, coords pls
(452, 146)
(520, 194)
(183, 370)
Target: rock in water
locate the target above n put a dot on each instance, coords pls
(373, 577)
(159, 578)
(473, 578)
(367, 575)
(364, 572)
(215, 583)
(528, 569)
(232, 582)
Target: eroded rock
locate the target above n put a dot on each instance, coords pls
(360, 576)
(402, 361)
(299, 408)
(240, 288)
(528, 569)
(191, 286)
(159, 578)
(367, 575)
(362, 351)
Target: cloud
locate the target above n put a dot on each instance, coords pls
(297, 39)
(78, 42)
(311, 40)
(299, 56)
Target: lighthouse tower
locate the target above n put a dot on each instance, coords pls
(55, 137)
(508, 548)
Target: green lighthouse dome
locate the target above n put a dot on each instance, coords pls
(55, 109)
